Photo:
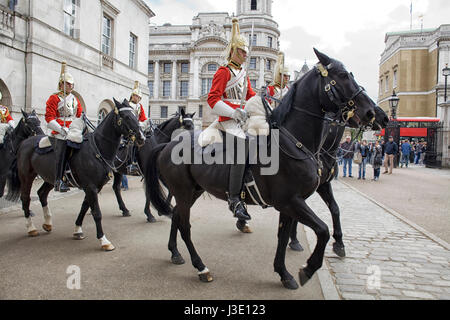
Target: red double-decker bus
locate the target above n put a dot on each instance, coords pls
(414, 127)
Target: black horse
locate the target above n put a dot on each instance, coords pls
(302, 126)
(28, 126)
(160, 134)
(328, 156)
(90, 166)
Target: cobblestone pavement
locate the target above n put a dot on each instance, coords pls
(386, 257)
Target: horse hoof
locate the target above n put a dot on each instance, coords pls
(33, 233)
(108, 247)
(303, 277)
(243, 227)
(290, 284)
(47, 227)
(178, 260)
(296, 246)
(126, 214)
(205, 277)
(151, 219)
(339, 249)
(246, 229)
(78, 236)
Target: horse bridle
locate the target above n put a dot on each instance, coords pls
(346, 106)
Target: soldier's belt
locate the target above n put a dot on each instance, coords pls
(234, 101)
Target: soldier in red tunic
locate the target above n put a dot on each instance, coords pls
(279, 87)
(62, 107)
(225, 99)
(5, 115)
(135, 99)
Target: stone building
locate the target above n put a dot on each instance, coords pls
(412, 64)
(184, 58)
(104, 42)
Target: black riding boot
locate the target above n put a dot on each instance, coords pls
(61, 157)
(235, 203)
(237, 171)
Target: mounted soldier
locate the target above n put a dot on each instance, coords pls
(279, 87)
(135, 99)
(229, 92)
(62, 109)
(6, 121)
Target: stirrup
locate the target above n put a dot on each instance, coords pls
(239, 209)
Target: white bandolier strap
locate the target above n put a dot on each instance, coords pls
(126, 109)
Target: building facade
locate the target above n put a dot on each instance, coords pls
(184, 58)
(411, 65)
(104, 42)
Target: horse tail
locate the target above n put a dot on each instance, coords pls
(13, 183)
(153, 186)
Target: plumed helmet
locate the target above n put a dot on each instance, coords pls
(65, 76)
(137, 90)
(237, 40)
(280, 69)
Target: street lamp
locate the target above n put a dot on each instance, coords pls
(445, 73)
(393, 102)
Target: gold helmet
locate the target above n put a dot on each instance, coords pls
(65, 76)
(280, 69)
(137, 90)
(237, 40)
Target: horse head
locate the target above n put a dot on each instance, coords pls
(186, 120)
(341, 94)
(31, 124)
(127, 122)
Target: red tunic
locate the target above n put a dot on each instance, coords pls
(52, 113)
(217, 92)
(142, 117)
(5, 114)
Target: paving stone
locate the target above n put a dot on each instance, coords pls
(352, 289)
(417, 294)
(390, 292)
(354, 296)
(441, 283)
(407, 286)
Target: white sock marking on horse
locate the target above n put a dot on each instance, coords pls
(104, 241)
(47, 216)
(30, 225)
(78, 230)
(206, 270)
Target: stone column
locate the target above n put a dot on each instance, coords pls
(196, 83)
(156, 81)
(445, 118)
(174, 80)
(261, 72)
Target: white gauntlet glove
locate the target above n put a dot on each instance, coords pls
(64, 131)
(240, 115)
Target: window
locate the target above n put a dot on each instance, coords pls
(386, 89)
(252, 63)
(133, 45)
(151, 67)
(253, 43)
(181, 108)
(150, 87)
(395, 79)
(106, 35)
(70, 16)
(167, 67)
(381, 86)
(206, 85)
(268, 65)
(253, 83)
(164, 112)
(253, 5)
(269, 42)
(184, 67)
(166, 88)
(212, 67)
(184, 87)
(200, 111)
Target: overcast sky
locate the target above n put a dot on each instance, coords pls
(351, 31)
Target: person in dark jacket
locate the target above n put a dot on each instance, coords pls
(406, 150)
(348, 149)
(364, 150)
(390, 150)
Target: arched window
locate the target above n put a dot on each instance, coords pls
(105, 107)
(102, 115)
(253, 5)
